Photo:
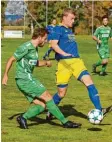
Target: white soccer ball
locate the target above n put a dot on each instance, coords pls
(95, 116)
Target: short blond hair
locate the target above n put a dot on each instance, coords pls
(67, 11)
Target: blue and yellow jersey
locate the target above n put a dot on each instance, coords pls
(50, 29)
(67, 42)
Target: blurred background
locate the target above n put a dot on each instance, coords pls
(25, 15)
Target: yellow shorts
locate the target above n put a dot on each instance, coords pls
(67, 68)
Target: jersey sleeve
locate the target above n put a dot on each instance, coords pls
(111, 33)
(56, 33)
(20, 52)
(96, 32)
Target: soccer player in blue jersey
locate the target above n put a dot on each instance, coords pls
(26, 57)
(69, 62)
(50, 31)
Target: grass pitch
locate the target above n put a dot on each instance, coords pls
(75, 105)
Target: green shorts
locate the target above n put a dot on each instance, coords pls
(30, 88)
(104, 52)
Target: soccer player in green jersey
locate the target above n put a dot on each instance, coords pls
(26, 57)
(101, 36)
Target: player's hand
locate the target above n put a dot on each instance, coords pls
(99, 41)
(4, 80)
(48, 63)
(67, 54)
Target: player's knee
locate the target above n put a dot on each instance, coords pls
(61, 93)
(105, 62)
(62, 89)
(46, 96)
(38, 102)
(87, 80)
(43, 105)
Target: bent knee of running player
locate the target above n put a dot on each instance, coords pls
(105, 61)
(85, 78)
(45, 96)
(38, 102)
(62, 89)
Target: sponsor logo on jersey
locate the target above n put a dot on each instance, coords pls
(33, 62)
(105, 35)
(71, 37)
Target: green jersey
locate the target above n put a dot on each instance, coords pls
(103, 33)
(27, 57)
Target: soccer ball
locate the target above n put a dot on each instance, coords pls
(95, 116)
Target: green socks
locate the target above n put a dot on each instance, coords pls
(99, 63)
(55, 111)
(33, 111)
(104, 68)
(37, 109)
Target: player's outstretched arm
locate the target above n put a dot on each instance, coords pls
(44, 63)
(7, 68)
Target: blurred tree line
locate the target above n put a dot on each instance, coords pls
(83, 21)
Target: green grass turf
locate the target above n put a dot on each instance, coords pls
(75, 105)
